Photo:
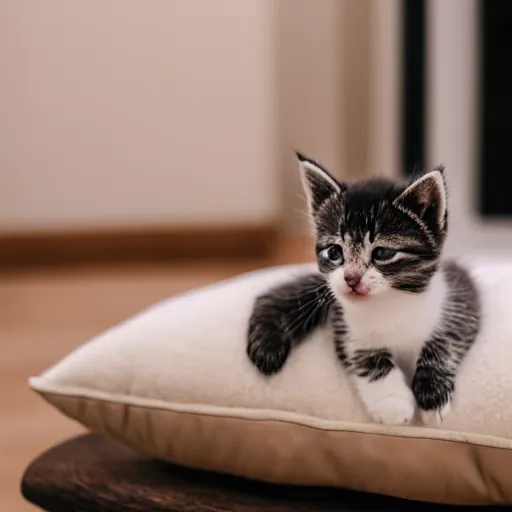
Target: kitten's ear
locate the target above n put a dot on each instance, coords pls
(318, 183)
(425, 200)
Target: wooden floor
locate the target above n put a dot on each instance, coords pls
(44, 314)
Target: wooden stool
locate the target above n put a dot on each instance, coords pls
(94, 473)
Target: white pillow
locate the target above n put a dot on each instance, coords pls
(175, 382)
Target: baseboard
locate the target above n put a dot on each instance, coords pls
(137, 245)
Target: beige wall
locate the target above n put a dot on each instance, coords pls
(125, 112)
(384, 91)
(308, 48)
(338, 91)
(189, 110)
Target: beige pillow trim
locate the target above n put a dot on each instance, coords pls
(287, 417)
(287, 448)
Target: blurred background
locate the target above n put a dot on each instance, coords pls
(146, 148)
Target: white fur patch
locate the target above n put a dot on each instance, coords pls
(388, 400)
(398, 321)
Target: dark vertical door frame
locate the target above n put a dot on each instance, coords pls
(413, 85)
(494, 100)
(494, 108)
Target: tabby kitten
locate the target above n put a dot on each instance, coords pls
(402, 318)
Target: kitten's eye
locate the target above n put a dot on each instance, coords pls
(334, 254)
(383, 254)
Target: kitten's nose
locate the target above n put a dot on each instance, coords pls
(353, 278)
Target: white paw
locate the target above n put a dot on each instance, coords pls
(389, 400)
(393, 409)
(435, 418)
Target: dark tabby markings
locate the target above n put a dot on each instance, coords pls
(411, 218)
(434, 381)
(287, 314)
(340, 331)
(283, 317)
(372, 364)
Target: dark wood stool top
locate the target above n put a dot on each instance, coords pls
(93, 473)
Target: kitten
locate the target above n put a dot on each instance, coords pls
(402, 318)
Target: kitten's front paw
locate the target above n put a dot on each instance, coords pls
(388, 400)
(393, 409)
(267, 350)
(433, 393)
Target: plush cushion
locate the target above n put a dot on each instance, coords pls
(175, 382)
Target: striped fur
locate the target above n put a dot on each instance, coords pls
(402, 318)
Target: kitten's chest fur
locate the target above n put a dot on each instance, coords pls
(401, 322)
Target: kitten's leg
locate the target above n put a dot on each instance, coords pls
(380, 384)
(434, 381)
(382, 387)
(283, 317)
(440, 359)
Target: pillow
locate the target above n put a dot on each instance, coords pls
(175, 382)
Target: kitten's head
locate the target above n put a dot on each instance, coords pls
(378, 235)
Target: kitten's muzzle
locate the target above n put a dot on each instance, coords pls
(353, 280)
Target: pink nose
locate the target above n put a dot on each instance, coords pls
(353, 279)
